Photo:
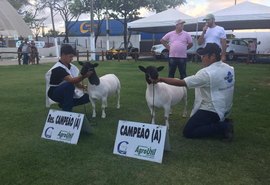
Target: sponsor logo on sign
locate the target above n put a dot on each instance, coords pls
(64, 135)
(122, 147)
(144, 151)
(48, 132)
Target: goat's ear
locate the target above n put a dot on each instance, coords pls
(142, 68)
(95, 64)
(81, 63)
(160, 68)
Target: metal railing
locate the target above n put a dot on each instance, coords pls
(117, 56)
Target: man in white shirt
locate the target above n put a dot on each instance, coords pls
(214, 88)
(213, 33)
(252, 51)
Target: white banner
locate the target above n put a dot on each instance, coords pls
(63, 126)
(39, 44)
(140, 140)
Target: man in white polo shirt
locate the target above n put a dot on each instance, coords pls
(214, 88)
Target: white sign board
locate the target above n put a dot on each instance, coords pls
(39, 44)
(63, 126)
(140, 140)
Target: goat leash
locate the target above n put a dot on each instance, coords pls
(153, 106)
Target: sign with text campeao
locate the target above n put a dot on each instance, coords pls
(140, 140)
(63, 126)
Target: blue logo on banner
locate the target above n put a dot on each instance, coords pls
(122, 147)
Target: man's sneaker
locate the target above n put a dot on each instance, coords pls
(228, 134)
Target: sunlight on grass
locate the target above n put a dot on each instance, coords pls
(25, 158)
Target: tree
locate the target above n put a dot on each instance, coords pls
(99, 10)
(69, 10)
(31, 17)
(126, 11)
(161, 5)
(51, 5)
(30, 12)
(52, 33)
(18, 4)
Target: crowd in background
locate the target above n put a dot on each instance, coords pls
(28, 53)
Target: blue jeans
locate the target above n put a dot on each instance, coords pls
(204, 124)
(179, 63)
(25, 58)
(63, 94)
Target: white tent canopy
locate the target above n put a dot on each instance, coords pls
(11, 23)
(160, 22)
(244, 15)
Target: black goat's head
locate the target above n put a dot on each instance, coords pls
(88, 66)
(151, 72)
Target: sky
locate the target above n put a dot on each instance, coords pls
(198, 8)
(193, 8)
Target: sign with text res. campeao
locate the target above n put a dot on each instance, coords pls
(63, 126)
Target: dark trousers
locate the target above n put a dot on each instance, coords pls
(179, 63)
(25, 58)
(63, 94)
(20, 55)
(204, 124)
(252, 56)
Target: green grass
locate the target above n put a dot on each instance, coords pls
(27, 159)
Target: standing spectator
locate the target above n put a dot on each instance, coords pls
(26, 52)
(2, 42)
(214, 88)
(252, 51)
(19, 50)
(33, 53)
(213, 33)
(177, 42)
